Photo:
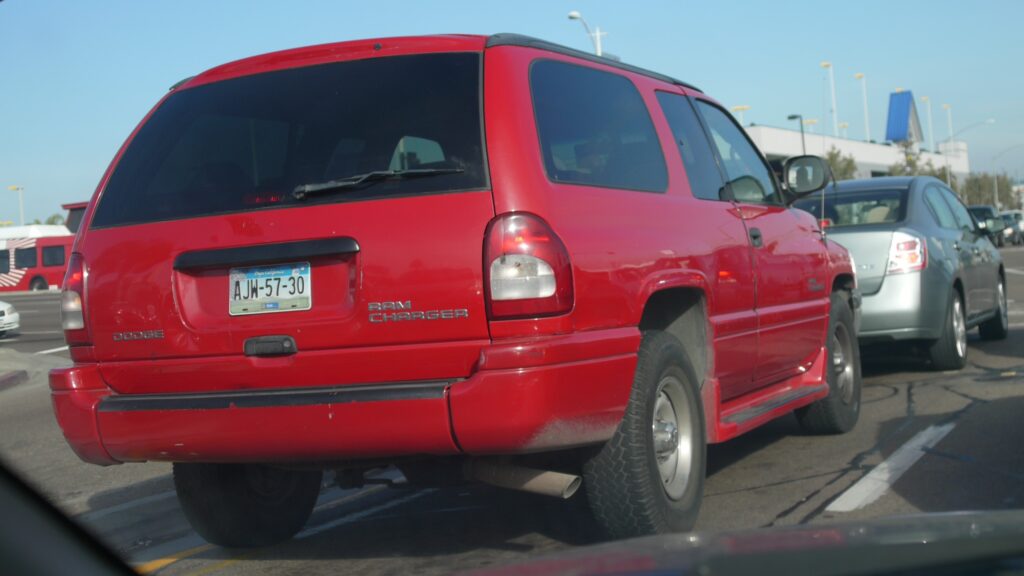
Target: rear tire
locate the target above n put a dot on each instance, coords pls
(839, 411)
(949, 352)
(997, 327)
(649, 478)
(245, 505)
(38, 285)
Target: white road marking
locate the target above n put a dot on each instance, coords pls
(52, 350)
(878, 481)
(1015, 271)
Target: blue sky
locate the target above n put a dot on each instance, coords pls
(76, 76)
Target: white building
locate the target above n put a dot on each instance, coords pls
(873, 160)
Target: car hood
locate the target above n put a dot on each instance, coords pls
(884, 546)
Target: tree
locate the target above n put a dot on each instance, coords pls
(843, 167)
(911, 166)
(979, 188)
(55, 219)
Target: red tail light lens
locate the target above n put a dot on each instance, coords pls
(72, 303)
(527, 271)
(906, 254)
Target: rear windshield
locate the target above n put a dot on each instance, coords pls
(857, 208)
(247, 143)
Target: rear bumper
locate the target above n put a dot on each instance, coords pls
(530, 395)
(906, 307)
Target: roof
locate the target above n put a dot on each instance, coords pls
(357, 49)
(903, 124)
(876, 183)
(33, 231)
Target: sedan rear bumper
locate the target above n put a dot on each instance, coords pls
(906, 307)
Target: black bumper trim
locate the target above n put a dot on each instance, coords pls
(278, 397)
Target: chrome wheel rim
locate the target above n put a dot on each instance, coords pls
(842, 363)
(959, 328)
(672, 431)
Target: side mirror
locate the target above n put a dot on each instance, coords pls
(805, 175)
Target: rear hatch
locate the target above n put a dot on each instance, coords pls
(863, 221)
(342, 205)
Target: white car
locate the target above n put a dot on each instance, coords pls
(9, 318)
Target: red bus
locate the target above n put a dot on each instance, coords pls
(35, 257)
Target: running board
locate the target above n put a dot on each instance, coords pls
(743, 416)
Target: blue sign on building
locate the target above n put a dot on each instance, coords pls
(903, 124)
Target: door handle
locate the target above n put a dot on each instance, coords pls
(755, 237)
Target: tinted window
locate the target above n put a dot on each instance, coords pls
(5, 261)
(698, 158)
(939, 208)
(53, 256)
(857, 208)
(749, 177)
(963, 217)
(25, 258)
(594, 129)
(247, 143)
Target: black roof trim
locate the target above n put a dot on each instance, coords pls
(531, 42)
(179, 83)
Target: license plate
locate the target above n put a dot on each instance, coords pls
(268, 289)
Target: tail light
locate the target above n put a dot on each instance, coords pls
(72, 303)
(526, 269)
(906, 254)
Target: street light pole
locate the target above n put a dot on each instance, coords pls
(800, 119)
(595, 36)
(21, 201)
(864, 92)
(949, 145)
(740, 109)
(931, 130)
(832, 82)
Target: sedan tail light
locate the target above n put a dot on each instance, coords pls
(526, 269)
(72, 303)
(906, 254)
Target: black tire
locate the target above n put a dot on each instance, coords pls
(623, 482)
(998, 326)
(38, 285)
(949, 352)
(839, 411)
(245, 505)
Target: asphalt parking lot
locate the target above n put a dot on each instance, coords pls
(954, 438)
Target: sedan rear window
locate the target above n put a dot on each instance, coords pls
(248, 143)
(857, 208)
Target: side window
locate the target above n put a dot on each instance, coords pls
(749, 177)
(25, 258)
(939, 208)
(963, 217)
(53, 256)
(594, 129)
(5, 261)
(698, 158)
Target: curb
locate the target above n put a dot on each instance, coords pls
(11, 379)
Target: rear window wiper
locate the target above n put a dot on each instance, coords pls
(305, 190)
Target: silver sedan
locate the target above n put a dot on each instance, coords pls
(9, 318)
(926, 270)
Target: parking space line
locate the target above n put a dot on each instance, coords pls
(882, 477)
(1014, 271)
(52, 350)
(154, 565)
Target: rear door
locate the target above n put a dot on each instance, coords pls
(198, 243)
(973, 255)
(789, 256)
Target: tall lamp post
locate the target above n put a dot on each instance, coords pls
(995, 176)
(864, 93)
(832, 82)
(21, 201)
(800, 119)
(931, 130)
(740, 109)
(595, 36)
(959, 132)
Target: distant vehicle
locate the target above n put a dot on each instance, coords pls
(1018, 220)
(9, 318)
(34, 257)
(926, 270)
(486, 258)
(989, 219)
(1013, 232)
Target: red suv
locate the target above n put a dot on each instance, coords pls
(488, 258)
